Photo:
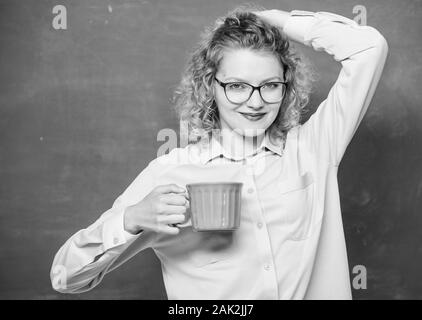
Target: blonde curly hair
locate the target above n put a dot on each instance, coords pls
(240, 29)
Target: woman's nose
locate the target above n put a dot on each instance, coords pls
(255, 101)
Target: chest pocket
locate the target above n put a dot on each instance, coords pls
(296, 196)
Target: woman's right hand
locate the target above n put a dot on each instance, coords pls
(163, 207)
(274, 17)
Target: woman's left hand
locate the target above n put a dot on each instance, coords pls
(274, 17)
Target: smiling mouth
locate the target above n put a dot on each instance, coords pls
(253, 116)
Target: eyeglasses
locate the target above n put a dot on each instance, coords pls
(240, 92)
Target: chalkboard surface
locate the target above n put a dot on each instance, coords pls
(80, 110)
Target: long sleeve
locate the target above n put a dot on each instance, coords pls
(362, 51)
(84, 259)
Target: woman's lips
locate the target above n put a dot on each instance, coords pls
(253, 116)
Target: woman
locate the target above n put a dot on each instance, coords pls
(245, 79)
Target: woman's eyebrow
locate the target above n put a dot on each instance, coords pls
(263, 81)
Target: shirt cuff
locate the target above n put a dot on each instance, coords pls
(114, 233)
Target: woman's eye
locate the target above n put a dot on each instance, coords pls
(236, 86)
(272, 85)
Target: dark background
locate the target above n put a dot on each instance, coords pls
(80, 110)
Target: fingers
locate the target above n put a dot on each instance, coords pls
(169, 188)
(275, 17)
(166, 223)
(171, 219)
(169, 230)
(169, 209)
(174, 199)
(170, 202)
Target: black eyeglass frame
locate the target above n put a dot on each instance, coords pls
(224, 84)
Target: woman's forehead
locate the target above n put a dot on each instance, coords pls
(249, 64)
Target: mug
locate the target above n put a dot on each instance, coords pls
(215, 206)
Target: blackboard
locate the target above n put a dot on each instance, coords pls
(80, 110)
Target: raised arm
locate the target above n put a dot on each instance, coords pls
(362, 51)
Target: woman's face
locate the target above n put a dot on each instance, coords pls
(255, 68)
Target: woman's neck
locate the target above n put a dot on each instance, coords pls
(238, 145)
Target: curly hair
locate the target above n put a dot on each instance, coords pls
(240, 29)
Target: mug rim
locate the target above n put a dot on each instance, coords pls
(213, 183)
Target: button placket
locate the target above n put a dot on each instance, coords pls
(262, 237)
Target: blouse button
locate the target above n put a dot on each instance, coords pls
(250, 190)
(259, 225)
